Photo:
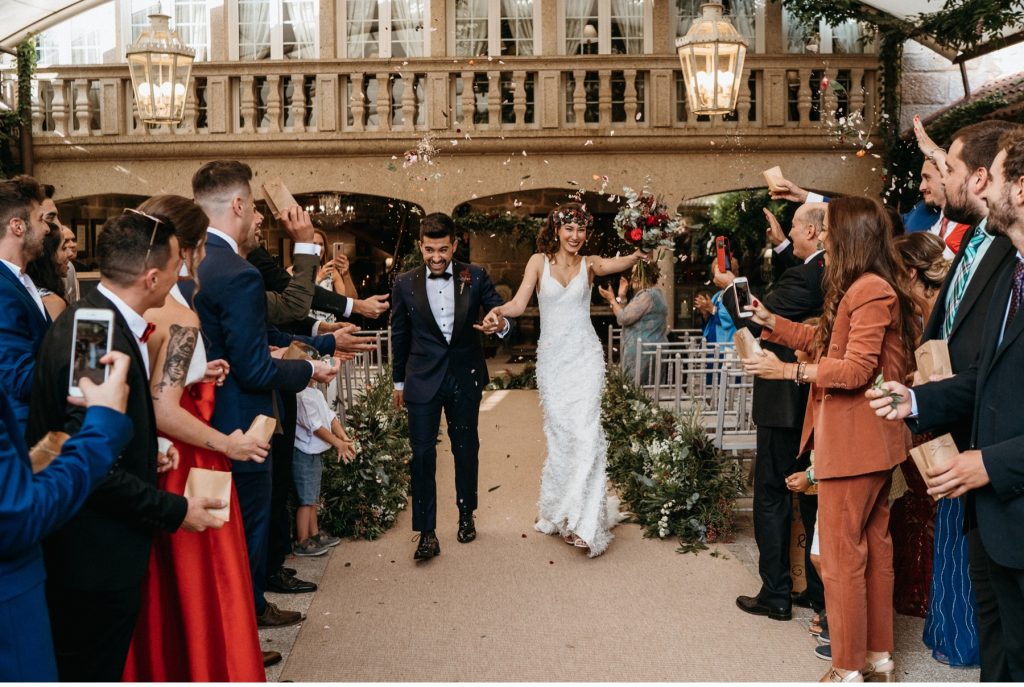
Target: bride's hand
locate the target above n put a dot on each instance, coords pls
(641, 256)
(493, 322)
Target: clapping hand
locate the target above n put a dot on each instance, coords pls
(787, 190)
(704, 304)
(606, 293)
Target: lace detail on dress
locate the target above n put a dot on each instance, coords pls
(570, 379)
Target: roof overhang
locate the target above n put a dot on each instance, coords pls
(18, 18)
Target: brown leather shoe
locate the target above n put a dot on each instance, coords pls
(273, 616)
(271, 658)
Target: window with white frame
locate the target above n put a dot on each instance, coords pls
(848, 37)
(82, 39)
(190, 18)
(278, 29)
(605, 27)
(745, 15)
(384, 28)
(495, 27)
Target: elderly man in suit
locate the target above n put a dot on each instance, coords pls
(778, 412)
(23, 319)
(96, 561)
(990, 471)
(33, 505)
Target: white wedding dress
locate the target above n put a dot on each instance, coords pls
(570, 378)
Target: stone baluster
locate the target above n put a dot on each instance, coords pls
(409, 102)
(383, 101)
(803, 97)
(743, 103)
(604, 98)
(630, 103)
(856, 90)
(579, 98)
(60, 108)
(248, 102)
(493, 100)
(297, 105)
(83, 111)
(468, 101)
(274, 109)
(357, 101)
(519, 98)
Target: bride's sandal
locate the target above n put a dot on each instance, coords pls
(580, 544)
(569, 538)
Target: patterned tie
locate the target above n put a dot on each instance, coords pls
(963, 276)
(1016, 293)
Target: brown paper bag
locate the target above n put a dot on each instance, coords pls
(773, 177)
(45, 450)
(933, 454)
(746, 345)
(298, 350)
(263, 428)
(213, 484)
(277, 196)
(933, 359)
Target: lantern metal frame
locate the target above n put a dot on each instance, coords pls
(160, 65)
(712, 54)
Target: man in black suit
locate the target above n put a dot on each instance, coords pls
(990, 471)
(778, 412)
(438, 364)
(97, 561)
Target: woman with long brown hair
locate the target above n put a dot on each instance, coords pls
(868, 328)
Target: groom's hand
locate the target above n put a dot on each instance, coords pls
(399, 399)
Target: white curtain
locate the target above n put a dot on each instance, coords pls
(576, 14)
(471, 28)
(253, 29)
(406, 16)
(846, 38)
(797, 36)
(628, 16)
(304, 17)
(519, 15)
(361, 28)
(744, 16)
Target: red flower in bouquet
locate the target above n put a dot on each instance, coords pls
(636, 234)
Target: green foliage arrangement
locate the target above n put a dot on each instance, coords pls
(668, 471)
(12, 121)
(526, 379)
(363, 498)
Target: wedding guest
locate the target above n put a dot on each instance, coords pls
(232, 310)
(196, 622)
(48, 270)
(71, 288)
(23, 317)
(989, 474)
(924, 256)
(33, 505)
(96, 561)
(933, 193)
(867, 326)
(643, 319)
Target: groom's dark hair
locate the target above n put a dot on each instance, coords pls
(437, 225)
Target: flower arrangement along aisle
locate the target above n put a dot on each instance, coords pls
(644, 222)
(363, 498)
(668, 471)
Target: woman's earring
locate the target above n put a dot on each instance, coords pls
(821, 245)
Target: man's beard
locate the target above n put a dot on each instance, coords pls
(959, 207)
(1001, 216)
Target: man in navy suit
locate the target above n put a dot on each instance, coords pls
(232, 307)
(990, 470)
(23, 319)
(32, 506)
(439, 365)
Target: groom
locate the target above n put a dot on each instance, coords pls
(439, 364)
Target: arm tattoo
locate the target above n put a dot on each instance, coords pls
(181, 344)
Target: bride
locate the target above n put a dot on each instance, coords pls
(570, 378)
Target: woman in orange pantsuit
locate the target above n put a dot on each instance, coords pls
(867, 327)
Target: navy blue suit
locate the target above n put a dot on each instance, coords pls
(438, 375)
(232, 307)
(22, 326)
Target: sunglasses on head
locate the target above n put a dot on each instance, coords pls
(152, 236)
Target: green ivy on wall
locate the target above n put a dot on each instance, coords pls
(12, 121)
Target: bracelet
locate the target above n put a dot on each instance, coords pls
(801, 373)
(810, 475)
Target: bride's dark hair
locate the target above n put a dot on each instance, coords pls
(566, 213)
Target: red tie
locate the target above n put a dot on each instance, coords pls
(943, 226)
(149, 330)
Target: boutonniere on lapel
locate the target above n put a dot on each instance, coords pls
(464, 278)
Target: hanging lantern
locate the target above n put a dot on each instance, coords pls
(711, 54)
(161, 66)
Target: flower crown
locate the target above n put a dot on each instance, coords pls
(574, 216)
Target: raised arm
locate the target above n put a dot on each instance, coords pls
(600, 267)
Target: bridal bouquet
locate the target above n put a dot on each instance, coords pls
(645, 223)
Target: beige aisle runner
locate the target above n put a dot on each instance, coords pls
(518, 605)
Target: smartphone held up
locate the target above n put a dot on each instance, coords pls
(741, 291)
(91, 339)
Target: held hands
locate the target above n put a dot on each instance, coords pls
(767, 366)
(324, 371)
(298, 224)
(787, 190)
(493, 322)
(958, 476)
(372, 307)
(198, 518)
(890, 400)
(723, 280)
(113, 393)
(242, 447)
(798, 482)
(775, 233)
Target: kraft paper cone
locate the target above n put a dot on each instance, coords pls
(773, 177)
(932, 454)
(45, 450)
(933, 359)
(213, 484)
(746, 345)
(301, 351)
(277, 196)
(262, 428)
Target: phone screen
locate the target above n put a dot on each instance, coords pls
(91, 337)
(742, 296)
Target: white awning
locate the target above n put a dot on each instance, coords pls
(18, 18)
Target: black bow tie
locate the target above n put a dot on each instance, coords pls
(443, 275)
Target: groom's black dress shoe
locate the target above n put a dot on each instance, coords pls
(467, 530)
(283, 583)
(753, 605)
(428, 546)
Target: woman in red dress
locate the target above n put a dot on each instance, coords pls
(197, 622)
